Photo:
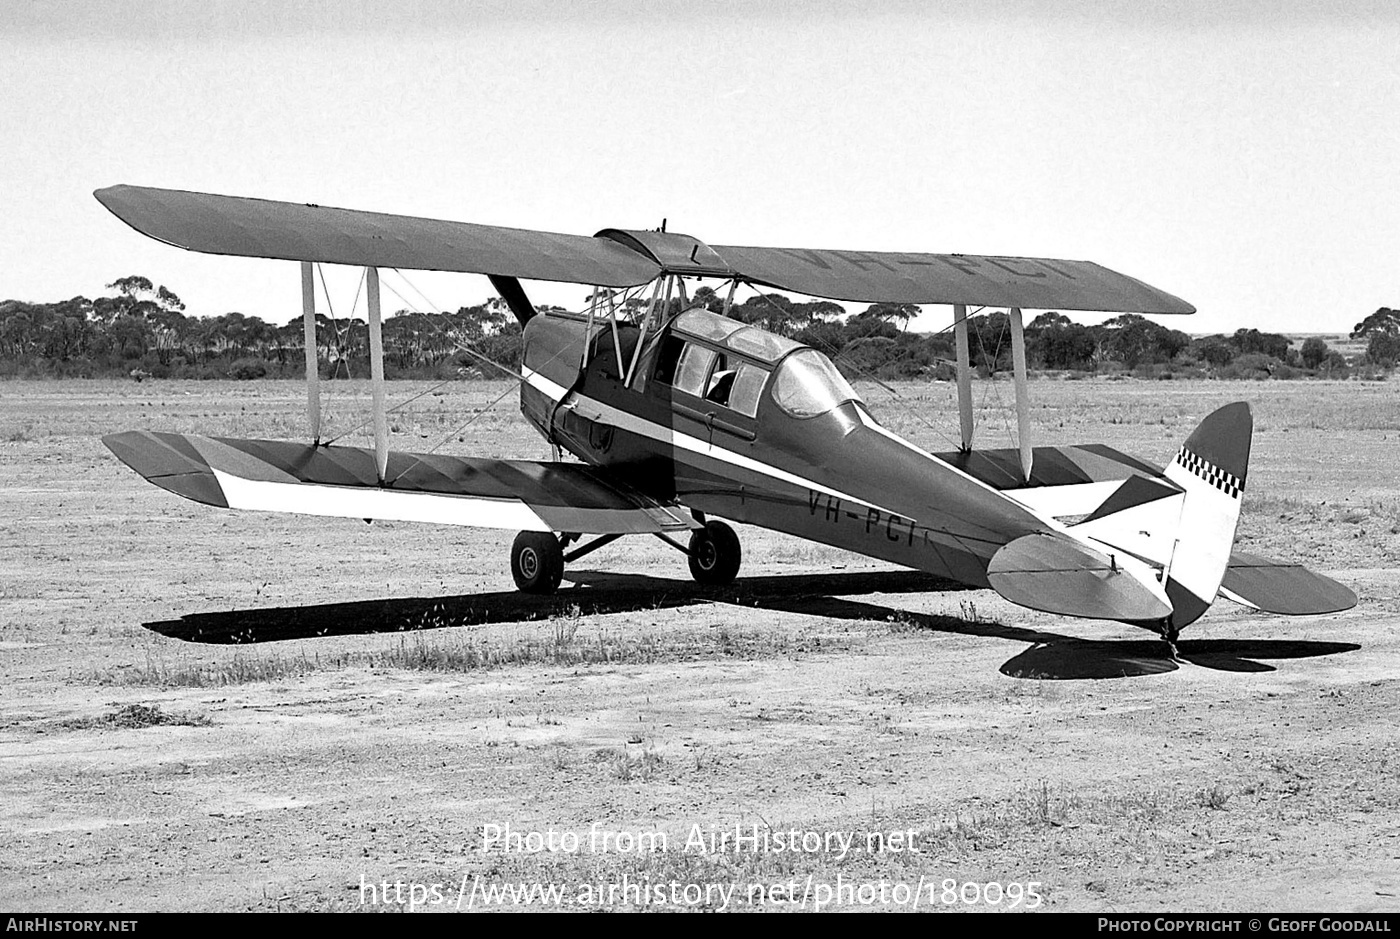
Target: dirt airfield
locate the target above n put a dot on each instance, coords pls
(831, 732)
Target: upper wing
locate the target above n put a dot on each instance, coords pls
(261, 228)
(898, 277)
(281, 476)
(616, 258)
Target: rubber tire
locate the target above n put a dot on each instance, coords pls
(536, 562)
(715, 555)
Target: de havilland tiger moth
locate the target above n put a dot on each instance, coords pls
(679, 421)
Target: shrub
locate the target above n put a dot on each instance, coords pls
(1334, 365)
(1252, 365)
(1383, 349)
(1214, 350)
(247, 369)
(1314, 352)
(944, 371)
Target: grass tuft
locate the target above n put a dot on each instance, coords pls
(20, 434)
(132, 716)
(967, 612)
(1214, 797)
(644, 765)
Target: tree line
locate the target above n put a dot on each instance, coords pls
(142, 329)
(876, 342)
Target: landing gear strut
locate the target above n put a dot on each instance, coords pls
(714, 554)
(537, 562)
(1170, 633)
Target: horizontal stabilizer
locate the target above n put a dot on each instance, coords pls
(1065, 481)
(1057, 574)
(284, 476)
(1136, 492)
(1282, 587)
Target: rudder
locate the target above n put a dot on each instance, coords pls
(1211, 467)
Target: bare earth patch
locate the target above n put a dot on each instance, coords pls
(423, 705)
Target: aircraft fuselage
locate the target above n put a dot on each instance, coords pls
(836, 477)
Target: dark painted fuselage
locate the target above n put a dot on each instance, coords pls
(834, 477)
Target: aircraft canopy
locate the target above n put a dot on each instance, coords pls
(735, 336)
(807, 384)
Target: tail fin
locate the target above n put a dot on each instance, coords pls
(1211, 468)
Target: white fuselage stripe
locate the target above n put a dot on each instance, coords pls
(671, 436)
(385, 504)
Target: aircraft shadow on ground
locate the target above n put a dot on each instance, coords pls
(1070, 658)
(1050, 656)
(1056, 656)
(595, 593)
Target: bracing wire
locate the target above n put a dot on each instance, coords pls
(899, 399)
(460, 346)
(401, 404)
(461, 427)
(993, 389)
(337, 338)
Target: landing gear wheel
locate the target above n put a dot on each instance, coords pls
(714, 555)
(536, 562)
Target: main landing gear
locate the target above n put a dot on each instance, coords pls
(537, 558)
(537, 562)
(714, 554)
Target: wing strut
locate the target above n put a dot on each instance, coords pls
(376, 375)
(514, 295)
(646, 324)
(1023, 404)
(313, 369)
(964, 375)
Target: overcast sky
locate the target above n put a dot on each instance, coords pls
(1244, 156)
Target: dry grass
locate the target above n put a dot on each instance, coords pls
(561, 647)
(132, 716)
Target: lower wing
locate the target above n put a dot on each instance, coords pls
(284, 476)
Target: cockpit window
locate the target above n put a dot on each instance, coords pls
(761, 344)
(734, 335)
(693, 370)
(701, 322)
(747, 388)
(807, 384)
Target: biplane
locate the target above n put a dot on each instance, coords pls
(681, 419)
